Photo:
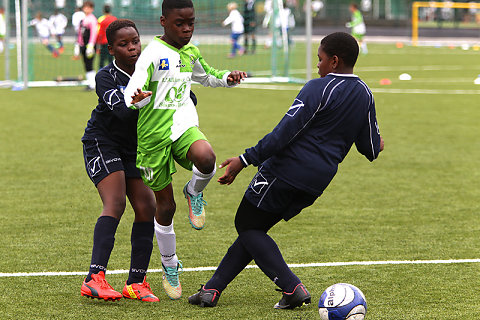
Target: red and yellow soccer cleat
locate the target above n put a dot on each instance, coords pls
(99, 288)
(139, 291)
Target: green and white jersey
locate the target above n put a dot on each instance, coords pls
(168, 73)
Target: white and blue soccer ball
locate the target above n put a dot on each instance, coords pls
(342, 301)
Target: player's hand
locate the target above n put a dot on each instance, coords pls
(234, 166)
(382, 144)
(141, 98)
(90, 52)
(235, 77)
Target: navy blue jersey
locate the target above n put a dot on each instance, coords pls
(326, 118)
(111, 120)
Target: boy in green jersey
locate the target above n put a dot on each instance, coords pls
(358, 27)
(167, 126)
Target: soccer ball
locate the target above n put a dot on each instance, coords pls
(342, 301)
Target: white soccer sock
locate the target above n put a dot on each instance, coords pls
(1, 46)
(199, 181)
(167, 244)
(90, 77)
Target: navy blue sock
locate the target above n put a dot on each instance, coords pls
(267, 256)
(232, 264)
(142, 245)
(103, 242)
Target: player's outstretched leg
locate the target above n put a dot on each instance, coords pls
(203, 158)
(143, 203)
(234, 261)
(167, 242)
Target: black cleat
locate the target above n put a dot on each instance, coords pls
(297, 298)
(205, 297)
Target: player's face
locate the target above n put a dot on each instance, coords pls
(179, 25)
(126, 48)
(87, 10)
(326, 64)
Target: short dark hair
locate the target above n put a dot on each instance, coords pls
(342, 45)
(117, 25)
(107, 8)
(169, 5)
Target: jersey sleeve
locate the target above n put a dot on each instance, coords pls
(368, 141)
(297, 119)
(208, 76)
(93, 30)
(109, 95)
(144, 69)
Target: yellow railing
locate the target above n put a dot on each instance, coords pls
(432, 4)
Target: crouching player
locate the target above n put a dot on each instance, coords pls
(297, 161)
(109, 148)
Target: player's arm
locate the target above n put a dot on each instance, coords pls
(108, 93)
(140, 80)
(93, 31)
(369, 142)
(211, 77)
(296, 120)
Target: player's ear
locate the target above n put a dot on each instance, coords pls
(110, 50)
(335, 62)
(162, 20)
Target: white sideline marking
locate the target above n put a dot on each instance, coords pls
(375, 90)
(293, 265)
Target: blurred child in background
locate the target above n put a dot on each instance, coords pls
(87, 37)
(358, 27)
(249, 24)
(43, 30)
(236, 20)
(3, 28)
(103, 22)
(58, 23)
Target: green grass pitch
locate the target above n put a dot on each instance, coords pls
(418, 201)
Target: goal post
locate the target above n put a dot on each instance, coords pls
(437, 5)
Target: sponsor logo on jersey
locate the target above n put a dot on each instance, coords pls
(180, 65)
(192, 60)
(94, 166)
(258, 183)
(164, 64)
(111, 98)
(297, 105)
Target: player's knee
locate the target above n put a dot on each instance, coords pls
(145, 210)
(206, 163)
(166, 210)
(114, 206)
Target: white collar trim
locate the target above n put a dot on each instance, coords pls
(121, 70)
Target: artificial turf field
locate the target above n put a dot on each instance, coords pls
(418, 201)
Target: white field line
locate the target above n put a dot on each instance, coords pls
(375, 90)
(295, 265)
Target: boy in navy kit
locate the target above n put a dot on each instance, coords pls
(109, 148)
(297, 161)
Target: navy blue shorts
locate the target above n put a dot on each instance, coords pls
(269, 193)
(103, 157)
